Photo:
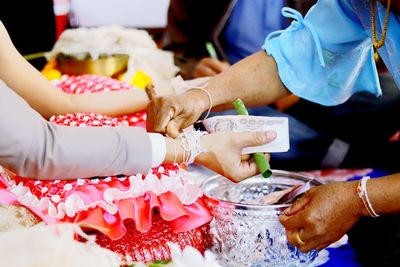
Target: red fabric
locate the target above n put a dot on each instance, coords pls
(61, 24)
(91, 83)
(152, 245)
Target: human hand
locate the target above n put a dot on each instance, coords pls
(224, 153)
(209, 67)
(322, 215)
(170, 114)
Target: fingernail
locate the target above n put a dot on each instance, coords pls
(270, 134)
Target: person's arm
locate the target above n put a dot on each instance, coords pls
(33, 147)
(255, 80)
(384, 194)
(26, 81)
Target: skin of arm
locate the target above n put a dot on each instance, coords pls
(30, 84)
(255, 80)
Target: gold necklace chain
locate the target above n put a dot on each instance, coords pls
(379, 43)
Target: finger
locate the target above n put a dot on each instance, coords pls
(150, 91)
(245, 157)
(307, 247)
(217, 65)
(291, 237)
(315, 243)
(225, 65)
(206, 71)
(255, 138)
(162, 118)
(246, 169)
(179, 123)
(322, 242)
(292, 222)
(311, 241)
(296, 238)
(173, 129)
(150, 117)
(298, 205)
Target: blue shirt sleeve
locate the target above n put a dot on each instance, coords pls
(325, 57)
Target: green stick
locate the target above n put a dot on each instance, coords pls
(35, 55)
(211, 50)
(259, 158)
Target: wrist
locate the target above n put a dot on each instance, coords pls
(202, 99)
(357, 201)
(185, 148)
(205, 143)
(220, 96)
(174, 151)
(362, 202)
(362, 193)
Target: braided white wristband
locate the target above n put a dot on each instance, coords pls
(202, 88)
(363, 194)
(190, 142)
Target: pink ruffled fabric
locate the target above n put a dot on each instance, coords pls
(107, 204)
(6, 197)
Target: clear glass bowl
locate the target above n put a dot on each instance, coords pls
(246, 232)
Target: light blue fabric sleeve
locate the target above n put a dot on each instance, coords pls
(325, 57)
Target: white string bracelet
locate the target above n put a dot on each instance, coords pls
(363, 195)
(174, 151)
(190, 142)
(202, 88)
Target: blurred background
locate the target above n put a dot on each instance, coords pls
(34, 26)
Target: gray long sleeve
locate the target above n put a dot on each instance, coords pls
(32, 147)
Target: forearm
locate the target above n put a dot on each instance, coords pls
(110, 103)
(48, 100)
(27, 82)
(33, 147)
(384, 194)
(255, 80)
(59, 152)
(42, 96)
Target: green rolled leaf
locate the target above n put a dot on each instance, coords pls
(262, 164)
(211, 50)
(240, 107)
